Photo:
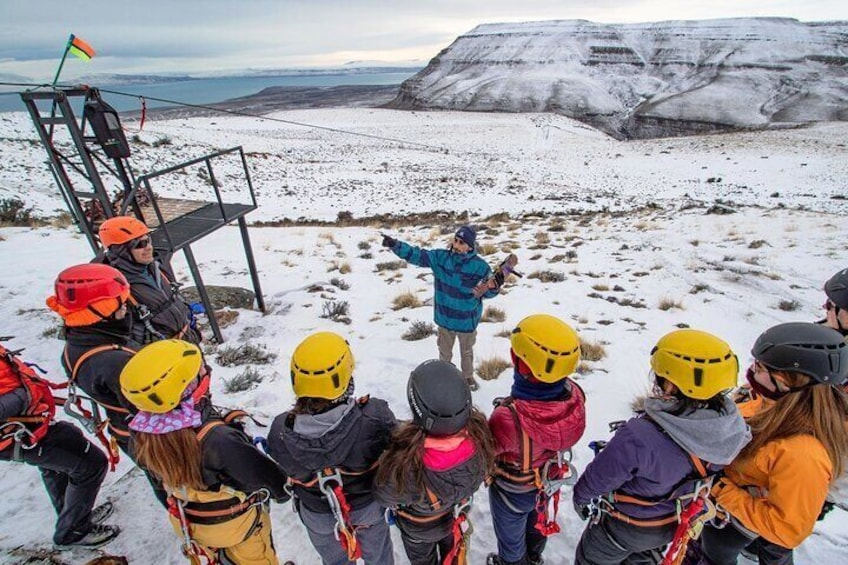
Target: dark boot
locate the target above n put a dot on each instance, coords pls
(494, 559)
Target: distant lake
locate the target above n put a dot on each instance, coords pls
(209, 90)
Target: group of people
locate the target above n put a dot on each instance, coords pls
(753, 465)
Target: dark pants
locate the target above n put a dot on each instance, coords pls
(425, 552)
(72, 470)
(723, 546)
(612, 541)
(426, 544)
(514, 518)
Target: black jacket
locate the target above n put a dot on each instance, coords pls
(450, 486)
(99, 375)
(229, 458)
(354, 444)
(150, 285)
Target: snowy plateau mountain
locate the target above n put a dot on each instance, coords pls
(645, 80)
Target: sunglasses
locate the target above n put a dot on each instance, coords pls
(141, 243)
(829, 305)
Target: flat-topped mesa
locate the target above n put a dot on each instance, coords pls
(645, 80)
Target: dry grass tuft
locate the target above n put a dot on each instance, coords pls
(491, 368)
(406, 299)
(493, 314)
(487, 248)
(592, 350)
(419, 330)
(667, 303)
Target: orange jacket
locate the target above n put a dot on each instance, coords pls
(778, 493)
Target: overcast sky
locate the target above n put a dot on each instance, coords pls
(183, 36)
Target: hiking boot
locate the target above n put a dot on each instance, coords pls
(494, 559)
(100, 513)
(97, 536)
(472, 383)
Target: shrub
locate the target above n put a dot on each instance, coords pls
(600, 287)
(667, 303)
(244, 354)
(162, 142)
(419, 330)
(592, 350)
(390, 266)
(344, 268)
(243, 381)
(700, 287)
(487, 248)
(364, 245)
(339, 283)
(506, 332)
(13, 212)
(788, 305)
(489, 369)
(336, 310)
(493, 314)
(547, 276)
(405, 300)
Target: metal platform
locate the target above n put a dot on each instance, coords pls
(195, 225)
(175, 223)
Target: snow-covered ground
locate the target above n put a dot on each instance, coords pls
(629, 275)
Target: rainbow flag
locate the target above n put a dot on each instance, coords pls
(80, 48)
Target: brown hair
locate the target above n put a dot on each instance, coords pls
(173, 457)
(311, 405)
(818, 410)
(402, 459)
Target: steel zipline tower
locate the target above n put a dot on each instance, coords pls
(82, 152)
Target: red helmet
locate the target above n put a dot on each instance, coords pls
(121, 229)
(88, 293)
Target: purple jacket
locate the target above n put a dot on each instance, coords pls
(640, 460)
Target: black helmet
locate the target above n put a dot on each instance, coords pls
(812, 349)
(439, 398)
(836, 289)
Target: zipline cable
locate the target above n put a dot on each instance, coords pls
(256, 116)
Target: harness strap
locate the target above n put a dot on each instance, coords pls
(75, 368)
(343, 472)
(461, 532)
(642, 523)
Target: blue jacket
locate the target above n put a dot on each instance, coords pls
(456, 275)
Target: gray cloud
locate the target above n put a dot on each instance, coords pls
(192, 35)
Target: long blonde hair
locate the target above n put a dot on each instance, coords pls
(174, 458)
(819, 410)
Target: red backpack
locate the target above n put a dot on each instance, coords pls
(41, 406)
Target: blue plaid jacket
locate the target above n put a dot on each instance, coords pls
(456, 275)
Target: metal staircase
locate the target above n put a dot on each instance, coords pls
(80, 161)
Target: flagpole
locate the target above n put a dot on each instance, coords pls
(64, 56)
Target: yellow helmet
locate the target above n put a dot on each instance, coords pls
(156, 377)
(547, 345)
(321, 366)
(698, 363)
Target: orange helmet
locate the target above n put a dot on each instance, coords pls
(88, 293)
(121, 229)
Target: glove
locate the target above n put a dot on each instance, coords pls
(388, 241)
(197, 308)
(827, 507)
(261, 443)
(582, 510)
(499, 278)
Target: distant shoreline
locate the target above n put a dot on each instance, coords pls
(276, 98)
